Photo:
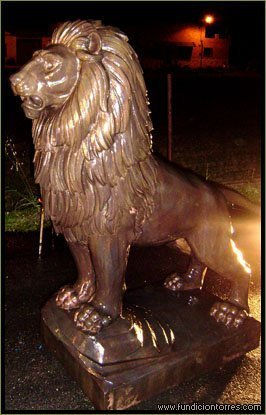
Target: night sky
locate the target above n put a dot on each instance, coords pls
(244, 20)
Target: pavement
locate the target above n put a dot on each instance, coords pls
(35, 380)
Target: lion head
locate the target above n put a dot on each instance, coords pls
(91, 128)
(52, 89)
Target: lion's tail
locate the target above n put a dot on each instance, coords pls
(238, 200)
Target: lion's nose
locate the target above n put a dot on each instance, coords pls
(16, 78)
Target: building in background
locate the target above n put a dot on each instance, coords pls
(196, 47)
(19, 48)
(189, 46)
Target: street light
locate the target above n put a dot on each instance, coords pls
(208, 19)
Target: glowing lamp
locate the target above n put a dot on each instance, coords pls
(209, 19)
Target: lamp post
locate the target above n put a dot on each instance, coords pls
(208, 19)
(169, 111)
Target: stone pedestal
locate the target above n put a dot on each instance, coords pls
(163, 339)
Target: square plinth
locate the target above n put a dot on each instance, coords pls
(184, 342)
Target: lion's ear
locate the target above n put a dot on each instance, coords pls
(95, 43)
(87, 46)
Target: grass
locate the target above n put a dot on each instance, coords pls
(21, 200)
(23, 220)
(250, 190)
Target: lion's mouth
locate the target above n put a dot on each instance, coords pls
(32, 105)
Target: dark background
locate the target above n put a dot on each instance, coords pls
(244, 20)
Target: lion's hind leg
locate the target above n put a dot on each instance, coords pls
(212, 244)
(72, 296)
(191, 280)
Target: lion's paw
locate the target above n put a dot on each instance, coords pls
(71, 296)
(173, 282)
(228, 314)
(90, 320)
(176, 283)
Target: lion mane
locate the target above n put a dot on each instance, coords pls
(93, 154)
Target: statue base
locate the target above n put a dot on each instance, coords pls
(163, 339)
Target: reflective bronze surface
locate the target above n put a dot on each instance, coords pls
(194, 345)
(105, 191)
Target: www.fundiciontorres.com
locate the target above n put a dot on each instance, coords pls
(208, 407)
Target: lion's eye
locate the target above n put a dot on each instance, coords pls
(50, 64)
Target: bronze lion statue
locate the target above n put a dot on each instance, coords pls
(101, 185)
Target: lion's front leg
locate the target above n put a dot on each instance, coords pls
(109, 256)
(72, 296)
